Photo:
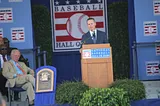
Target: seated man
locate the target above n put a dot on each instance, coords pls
(3, 54)
(19, 75)
(3, 58)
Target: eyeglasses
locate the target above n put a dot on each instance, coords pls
(6, 41)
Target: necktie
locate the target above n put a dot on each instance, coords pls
(93, 34)
(94, 37)
(4, 58)
(20, 68)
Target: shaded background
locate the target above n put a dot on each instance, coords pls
(47, 2)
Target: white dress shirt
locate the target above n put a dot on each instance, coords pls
(95, 31)
(1, 60)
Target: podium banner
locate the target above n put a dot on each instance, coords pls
(96, 53)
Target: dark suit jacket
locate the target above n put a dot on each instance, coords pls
(101, 38)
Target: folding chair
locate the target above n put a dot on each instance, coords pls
(11, 91)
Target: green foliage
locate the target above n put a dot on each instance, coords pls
(135, 88)
(42, 29)
(70, 92)
(104, 97)
(118, 38)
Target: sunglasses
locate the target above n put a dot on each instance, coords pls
(3, 48)
(6, 41)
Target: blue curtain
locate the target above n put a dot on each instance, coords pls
(131, 29)
(68, 65)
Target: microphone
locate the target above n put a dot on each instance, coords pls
(86, 40)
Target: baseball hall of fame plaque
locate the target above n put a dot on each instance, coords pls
(45, 80)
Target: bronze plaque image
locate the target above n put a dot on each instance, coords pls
(45, 80)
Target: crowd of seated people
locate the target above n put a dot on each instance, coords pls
(15, 71)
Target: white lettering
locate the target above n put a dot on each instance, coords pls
(68, 45)
(70, 8)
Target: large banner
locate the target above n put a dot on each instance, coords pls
(69, 21)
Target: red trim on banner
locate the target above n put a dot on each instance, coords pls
(61, 27)
(66, 38)
(68, 14)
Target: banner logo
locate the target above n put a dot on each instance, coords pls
(156, 7)
(157, 47)
(17, 34)
(150, 28)
(6, 15)
(152, 68)
(86, 53)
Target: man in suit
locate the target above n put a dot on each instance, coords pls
(19, 75)
(93, 36)
(3, 58)
(3, 54)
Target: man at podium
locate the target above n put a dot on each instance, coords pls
(93, 36)
(96, 58)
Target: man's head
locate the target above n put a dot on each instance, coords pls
(15, 54)
(91, 24)
(6, 42)
(3, 49)
(1, 41)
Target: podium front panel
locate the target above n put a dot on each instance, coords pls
(97, 69)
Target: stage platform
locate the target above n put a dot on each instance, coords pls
(145, 102)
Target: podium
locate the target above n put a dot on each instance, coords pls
(96, 65)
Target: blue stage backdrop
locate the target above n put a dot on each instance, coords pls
(147, 23)
(16, 25)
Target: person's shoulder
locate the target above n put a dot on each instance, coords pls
(7, 62)
(20, 62)
(100, 31)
